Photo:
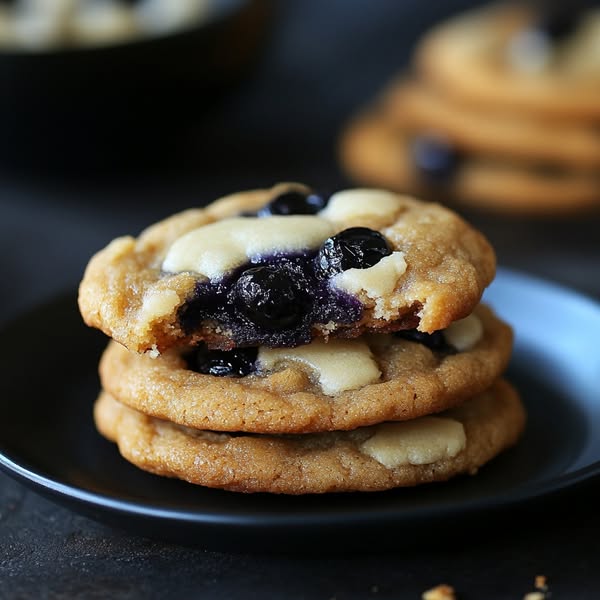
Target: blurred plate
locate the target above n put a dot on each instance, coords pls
(48, 441)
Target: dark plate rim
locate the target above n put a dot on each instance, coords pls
(72, 494)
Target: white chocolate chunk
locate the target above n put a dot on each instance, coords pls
(376, 281)
(421, 441)
(464, 333)
(217, 248)
(530, 51)
(350, 204)
(338, 364)
(578, 55)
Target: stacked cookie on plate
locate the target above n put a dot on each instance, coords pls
(501, 112)
(282, 341)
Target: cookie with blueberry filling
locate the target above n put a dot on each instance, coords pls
(282, 266)
(542, 62)
(380, 457)
(375, 151)
(338, 385)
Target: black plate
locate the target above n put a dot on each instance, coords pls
(48, 441)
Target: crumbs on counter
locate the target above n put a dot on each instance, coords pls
(446, 592)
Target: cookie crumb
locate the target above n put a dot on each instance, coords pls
(440, 592)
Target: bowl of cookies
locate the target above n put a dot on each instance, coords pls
(86, 74)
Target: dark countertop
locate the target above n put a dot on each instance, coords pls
(321, 63)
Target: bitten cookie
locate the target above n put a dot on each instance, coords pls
(338, 385)
(375, 458)
(280, 267)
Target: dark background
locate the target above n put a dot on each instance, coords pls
(321, 62)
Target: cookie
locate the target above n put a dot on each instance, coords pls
(502, 57)
(498, 135)
(380, 457)
(373, 152)
(280, 267)
(338, 385)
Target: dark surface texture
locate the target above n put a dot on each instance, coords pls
(322, 61)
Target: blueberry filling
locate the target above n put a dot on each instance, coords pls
(294, 203)
(272, 301)
(435, 158)
(353, 248)
(222, 363)
(276, 300)
(434, 341)
(271, 296)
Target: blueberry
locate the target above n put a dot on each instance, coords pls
(557, 29)
(294, 203)
(223, 363)
(558, 19)
(354, 248)
(201, 306)
(272, 296)
(434, 341)
(435, 158)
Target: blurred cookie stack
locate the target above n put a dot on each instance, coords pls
(500, 111)
(283, 341)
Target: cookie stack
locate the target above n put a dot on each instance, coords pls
(501, 112)
(283, 341)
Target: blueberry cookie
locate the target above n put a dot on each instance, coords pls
(282, 266)
(416, 109)
(501, 113)
(339, 385)
(374, 151)
(379, 457)
(508, 56)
